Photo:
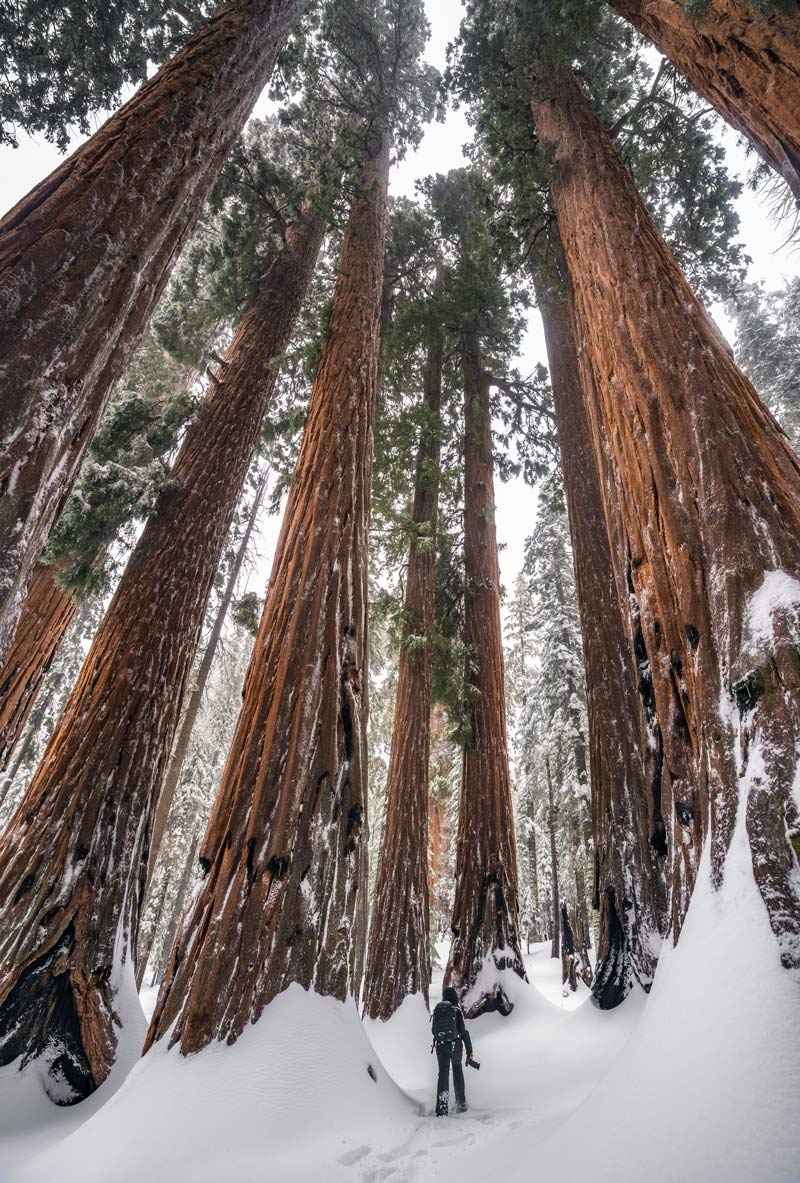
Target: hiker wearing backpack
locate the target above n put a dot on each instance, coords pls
(450, 1036)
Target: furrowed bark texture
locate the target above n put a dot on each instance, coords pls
(744, 62)
(625, 768)
(399, 959)
(73, 870)
(46, 616)
(709, 491)
(284, 851)
(485, 910)
(85, 256)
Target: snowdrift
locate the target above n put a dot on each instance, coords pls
(293, 1098)
(707, 1090)
(29, 1121)
(699, 1083)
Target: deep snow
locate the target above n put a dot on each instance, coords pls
(699, 1083)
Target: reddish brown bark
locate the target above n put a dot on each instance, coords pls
(84, 257)
(73, 871)
(485, 911)
(709, 492)
(284, 854)
(625, 768)
(45, 618)
(399, 961)
(744, 62)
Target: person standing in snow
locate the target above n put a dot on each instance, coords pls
(450, 1036)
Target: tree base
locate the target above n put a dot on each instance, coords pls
(613, 977)
(39, 1021)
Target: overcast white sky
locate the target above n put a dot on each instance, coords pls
(441, 150)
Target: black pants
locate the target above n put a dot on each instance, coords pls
(447, 1058)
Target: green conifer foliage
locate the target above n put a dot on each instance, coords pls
(61, 63)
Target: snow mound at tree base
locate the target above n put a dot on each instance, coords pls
(707, 1090)
(292, 1098)
(29, 1119)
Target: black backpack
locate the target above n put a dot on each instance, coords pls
(444, 1022)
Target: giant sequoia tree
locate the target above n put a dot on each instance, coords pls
(85, 255)
(283, 852)
(743, 56)
(485, 922)
(61, 64)
(629, 885)
(124, 473)
(285, 890)
(74, 868)
(399, 948)
(668, 146)
(709, 493)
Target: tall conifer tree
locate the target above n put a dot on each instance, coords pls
(743, 57)
(74, 870)
(709, 491)
(85, 255)
(285, 892)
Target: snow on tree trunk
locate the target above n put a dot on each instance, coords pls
(399, 959)
(709, 492)
(744, 62)
(85, 255)
(46, 616)
(74, 866)
(485, 920)
(625, 769)
(284, 853)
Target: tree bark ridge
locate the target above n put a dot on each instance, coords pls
(398, 961)
(73, 872)
(485, 920)
(85, 255)
(284, 851)
(709, 491)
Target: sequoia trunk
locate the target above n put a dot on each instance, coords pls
(709, 492)
(744, 62)
(46, 616)
(625, 767)
(284, 852)
(84, 257)
(485, 911)
(73, 870)
(399, 960)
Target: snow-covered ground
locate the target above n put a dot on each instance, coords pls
(699, 1083)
